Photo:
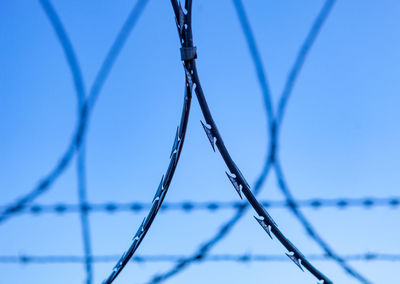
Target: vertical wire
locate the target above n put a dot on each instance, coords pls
(81, 151)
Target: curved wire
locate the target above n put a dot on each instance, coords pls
(261, 75)
(161, 192)
(226, 227)
(80, 129)
(293, 207)
(81, 96)
(287, 91)
(234, 175)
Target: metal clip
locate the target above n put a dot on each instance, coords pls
(188, 53)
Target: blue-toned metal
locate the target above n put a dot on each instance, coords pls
(188, 53)
(186, 28)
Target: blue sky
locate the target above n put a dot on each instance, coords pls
(339, 137)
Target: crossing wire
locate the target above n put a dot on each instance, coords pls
(76, 72)
(77, 146)
(183, 21)
(84, 110)
(45, 183)
(274, 125)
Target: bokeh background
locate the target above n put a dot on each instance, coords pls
(339, 138)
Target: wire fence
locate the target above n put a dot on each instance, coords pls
(85, 104)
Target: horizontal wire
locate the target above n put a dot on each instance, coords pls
(54, 259)
(212, 206)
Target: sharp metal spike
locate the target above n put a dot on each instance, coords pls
(270, 219)
(177, 140)
(235, 184)
(264, 225)
(209, 135)
(159, 190)
(159, 194)
(296, 261)
(156, 199)
(242, 177)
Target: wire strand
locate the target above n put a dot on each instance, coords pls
(76, 72)
(240, 258)
(341, 203)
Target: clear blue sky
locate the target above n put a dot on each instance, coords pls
(339, 138)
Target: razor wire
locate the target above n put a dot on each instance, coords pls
(273, 126)
(188, 54)
(167, 178)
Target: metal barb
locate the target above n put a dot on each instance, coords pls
(296, 261)
(159, 190)
(177, 141)
(264, 225)
(209, 134)
(235, 184)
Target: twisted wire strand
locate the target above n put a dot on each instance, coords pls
(212, 206)
(240, 258)
(186, 40)
(234, 175)
(76, 72)
(45, 183)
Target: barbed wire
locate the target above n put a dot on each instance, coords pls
(77, 145)
(186, 39)
(238, 181)
(245, 258)
(212, 206)
(183, 20)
